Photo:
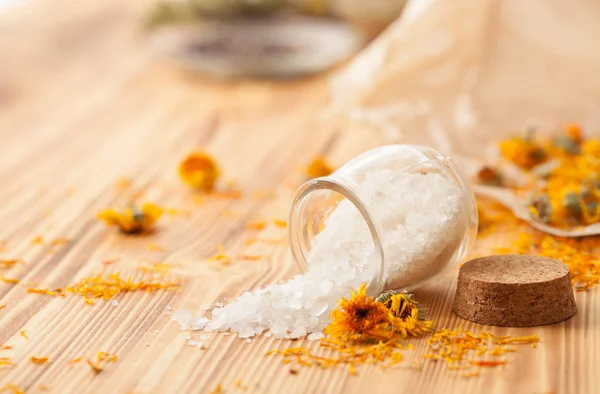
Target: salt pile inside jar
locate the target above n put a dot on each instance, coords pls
(393, 217)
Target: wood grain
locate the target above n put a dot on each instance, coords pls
(83, 103)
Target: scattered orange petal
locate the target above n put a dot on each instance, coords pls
(39, 360)
(4, 264)
(273, 241)
(256, 225)
(104, 356)
(59, 241)
(9, 280)
(123, 183)
(155, 247)
(75, 360)
(11, 388)
(483, 363)
(56, 292)
(24, 334)
(218, 389)
(228, 194)
(37, 240)
(228, 213)
(251, 257)
(318, 167)
(280, 223)
(95, 367)
(260, 194)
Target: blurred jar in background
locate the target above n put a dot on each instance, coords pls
(264, 38)
(369, 16)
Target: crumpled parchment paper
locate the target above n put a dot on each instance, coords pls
(457, 75)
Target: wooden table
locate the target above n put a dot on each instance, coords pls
(83, 103)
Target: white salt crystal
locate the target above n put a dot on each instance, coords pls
(248, 340)
(315, 336)
(115, 303)
(319, 308)
(298, 332)
(183, 317)
(198, 323)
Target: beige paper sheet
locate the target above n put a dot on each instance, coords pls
(458, 74)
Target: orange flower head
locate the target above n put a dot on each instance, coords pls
(359, 317)
(199, 170)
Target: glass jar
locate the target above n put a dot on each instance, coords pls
(400, 215)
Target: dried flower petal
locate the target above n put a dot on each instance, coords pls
(9, 280)
(259, 225)
(280, 223)
(12, 388)
(6, 264)
(111, 285)
(39, 360)
(95, 366)
(318, 167)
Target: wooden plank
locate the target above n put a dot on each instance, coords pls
(83, 104)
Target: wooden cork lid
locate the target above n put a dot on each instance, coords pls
(514, 291)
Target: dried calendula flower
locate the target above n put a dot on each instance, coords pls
(318, 167)
(523, 152)
(132, 220)
(489, 176)
(540, 208)
(409, 317)
(199, 170)
(574, 132)
(359, 317)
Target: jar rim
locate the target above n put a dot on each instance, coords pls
(347, 191)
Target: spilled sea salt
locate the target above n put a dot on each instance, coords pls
(421, 215)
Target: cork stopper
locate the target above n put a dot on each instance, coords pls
(514, 291)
